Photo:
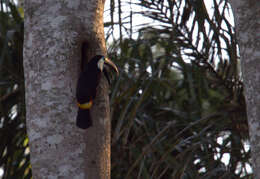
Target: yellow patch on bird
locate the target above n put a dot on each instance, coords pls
(85, 105)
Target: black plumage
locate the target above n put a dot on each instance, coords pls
(87, 88)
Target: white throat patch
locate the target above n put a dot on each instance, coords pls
(101, 64)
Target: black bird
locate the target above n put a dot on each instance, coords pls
(87, 88)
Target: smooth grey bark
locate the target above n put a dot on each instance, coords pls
(247, 20)
(54, 33)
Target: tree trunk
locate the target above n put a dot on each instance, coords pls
(247, 15)
(54, 33)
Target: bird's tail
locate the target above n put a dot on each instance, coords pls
(84, 119)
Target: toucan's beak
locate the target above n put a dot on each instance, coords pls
(109, 62)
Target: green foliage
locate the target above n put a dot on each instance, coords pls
(14, 150)
(178, 105)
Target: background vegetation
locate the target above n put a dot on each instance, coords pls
(177, 107)
(14, 150)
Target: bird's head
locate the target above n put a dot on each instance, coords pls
(103, 60)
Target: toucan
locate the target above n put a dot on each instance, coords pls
(87, 85)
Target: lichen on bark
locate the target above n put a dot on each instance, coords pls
(247, 15)
(54, 33)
